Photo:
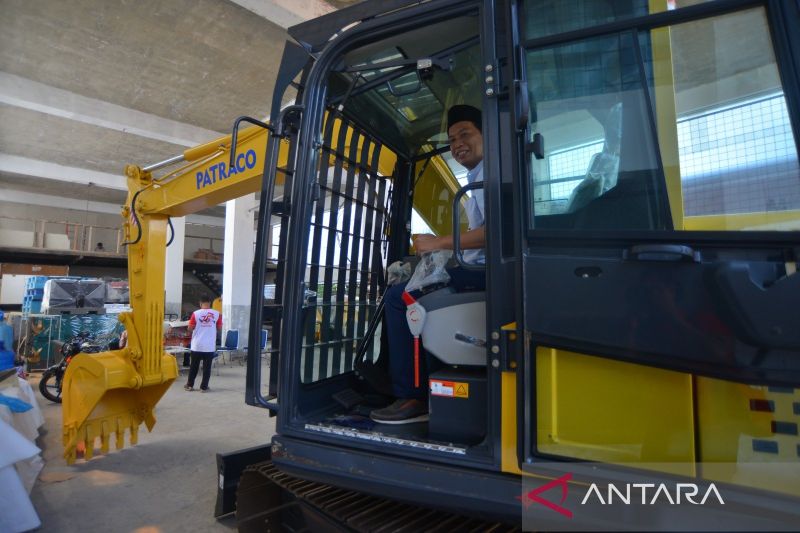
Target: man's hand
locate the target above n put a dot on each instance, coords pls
(425, 242)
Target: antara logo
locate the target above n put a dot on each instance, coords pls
(682, 492)
(533, 496)
(221, 171)
(661, 493)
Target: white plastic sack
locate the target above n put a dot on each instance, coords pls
(430, 270)
(16, 511)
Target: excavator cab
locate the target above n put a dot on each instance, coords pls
(619, 326)
(383, 160)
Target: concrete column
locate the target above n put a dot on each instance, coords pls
(237, 269)
(173, 274)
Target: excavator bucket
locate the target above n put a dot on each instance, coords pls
(103, 394)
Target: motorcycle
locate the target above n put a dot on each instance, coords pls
(50, 384)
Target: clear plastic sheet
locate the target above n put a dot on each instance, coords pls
(431, 270)
(73, 293)
(38, 333)
(104, 328)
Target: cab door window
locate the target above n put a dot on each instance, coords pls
(681, 127)
(601, 168)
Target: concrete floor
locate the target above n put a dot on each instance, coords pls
(167, 482)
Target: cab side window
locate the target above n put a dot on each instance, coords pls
(680, 127)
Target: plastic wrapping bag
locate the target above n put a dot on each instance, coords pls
(104, 328)
(603, 170)
(76, 293)
(430, 270)
(398, 272)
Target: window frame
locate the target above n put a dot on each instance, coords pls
(786, 49)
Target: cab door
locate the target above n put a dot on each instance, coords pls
(662, 230)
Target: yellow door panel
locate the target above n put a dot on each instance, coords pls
(608, 411)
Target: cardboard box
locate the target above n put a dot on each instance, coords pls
(34, 270)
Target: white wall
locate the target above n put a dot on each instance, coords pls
(19, 216)
(12, 288)
(14, 216)
(22, 211)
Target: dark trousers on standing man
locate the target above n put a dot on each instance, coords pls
(207, 358)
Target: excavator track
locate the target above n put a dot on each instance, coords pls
(270, 500)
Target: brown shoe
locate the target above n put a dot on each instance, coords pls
(188, 388)
(402, 411)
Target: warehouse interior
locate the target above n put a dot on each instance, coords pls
(91, 87)
(596, 202)
(88, 88)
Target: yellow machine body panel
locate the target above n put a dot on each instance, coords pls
(434, 191)
(748, 434)
(596, 409)
(767, 221)
(509, 459)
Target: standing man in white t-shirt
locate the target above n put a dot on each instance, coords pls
(203, 324)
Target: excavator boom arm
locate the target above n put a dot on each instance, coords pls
(115, 391)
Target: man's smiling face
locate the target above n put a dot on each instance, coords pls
(466, 143)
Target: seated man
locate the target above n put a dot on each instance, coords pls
(466, 145)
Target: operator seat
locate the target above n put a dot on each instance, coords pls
(455, 326)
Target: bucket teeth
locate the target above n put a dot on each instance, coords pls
(134, 434)
(89, 453)
(84, 440)
(105, 436)
(70, 455)
(120, 431)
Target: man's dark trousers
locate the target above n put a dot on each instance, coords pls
(207, 358)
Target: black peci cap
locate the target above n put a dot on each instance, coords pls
(462, 112)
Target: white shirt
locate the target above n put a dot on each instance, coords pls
(204, 336)
(475, 209)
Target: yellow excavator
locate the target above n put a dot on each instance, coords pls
(115, 392)
(634, 362)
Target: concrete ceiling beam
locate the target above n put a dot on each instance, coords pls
(46, 200)
(24, 166)
(286, 13)
(28, 94)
